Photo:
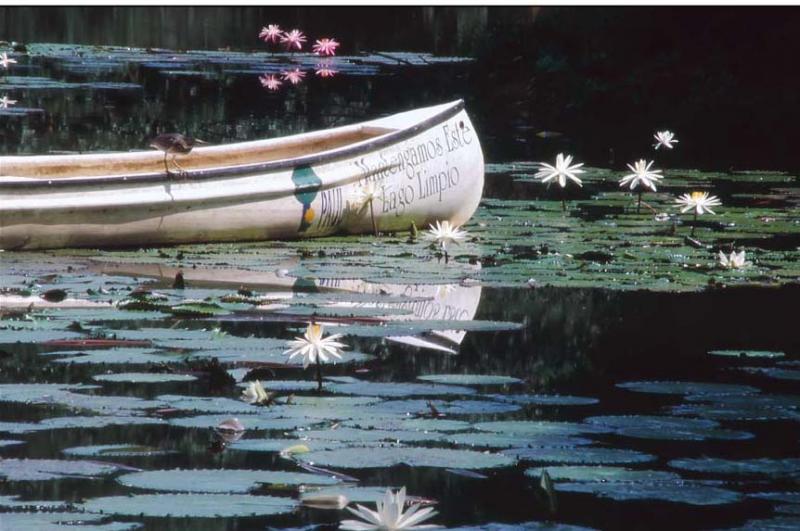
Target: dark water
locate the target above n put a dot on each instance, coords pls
(603, 80)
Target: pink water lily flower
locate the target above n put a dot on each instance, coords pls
(325, 47)
(270, 82)
(294, 76)
(325, 71)
(293, 39)
(270, 33)
(5, 60)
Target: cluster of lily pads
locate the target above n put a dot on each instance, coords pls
(643, 177)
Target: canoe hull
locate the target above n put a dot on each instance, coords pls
(432, 173)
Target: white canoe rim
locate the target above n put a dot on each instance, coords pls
(128, 199)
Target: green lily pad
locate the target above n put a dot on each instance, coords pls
(250, 421)
(143, 377)
(469, 379)
(397, 389)
(64, 521)
(667, 428)
(768, 354)
(416, 457)
(354, 435)
(763, 467)
(688, 388)
(190, 505)
(115, 450)
(534, 428)
(546, 400)
(500, 440)
(218, 481)
(688, 492)
(602, 474)
(581, 455)
(46, 469)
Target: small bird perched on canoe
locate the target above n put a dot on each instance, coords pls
(174, 144)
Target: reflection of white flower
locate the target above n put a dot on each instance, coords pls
(5, 60)
(641, 174)
(665, 138)
(255, 393)
(5, 102)
(366, 193)
(444, 290)
(734, 261)
(699, 201)
(563, 170)
(389, 515)
(445, 233)
(313, 348)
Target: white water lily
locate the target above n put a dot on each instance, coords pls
(734, 260)
(255, 393)
(389, 515)
(642, 174)
(665, 138)
(445, 233)
(5, 60)
(701, 202)
(313, 348)
(563, 170)
(366, 193)
(6, 102)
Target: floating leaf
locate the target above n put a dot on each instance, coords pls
(747, 353)
(763, 467)
(378, 457)
(190, 505)
(44, 469)
(667, 428)
(692, 493)
(115, 450)
(688, 388)
(602, 474)
(144, 377)
(580, 455)
(218, 480)
(469, 379)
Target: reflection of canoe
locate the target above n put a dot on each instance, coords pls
(425, 165)
(424, 302)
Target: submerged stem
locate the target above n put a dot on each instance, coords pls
(694, 222)
(372, 215)
(319, 376)
(639, 204)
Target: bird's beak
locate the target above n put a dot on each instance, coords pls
(198, 141)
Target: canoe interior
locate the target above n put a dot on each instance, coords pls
(56, 166)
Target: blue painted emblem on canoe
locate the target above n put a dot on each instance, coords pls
(307, 185)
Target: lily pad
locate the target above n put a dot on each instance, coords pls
(763, 467)
(218, 480)
(115, 450)
(470, 379)
(63, 521)
(415, 457)
(534, 428)
(667, 428)
(397, 389)
(768, 354)
(692, 493)
(143, 377)
(602, 474)
(581, 455)
(689, 388)
(190, 505)
(250, 421)
(546, 400)
(46, 469)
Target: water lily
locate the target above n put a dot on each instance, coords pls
(734, 260)
(665, 138)
(5, 60)
(701, 202)
(294, 76)
(642, 175)
(270, 82)
(445, 233)
(293, 39)
(270, 33)
(256, 394)
(365, 195)
(313, 348)
(389, 515)
(325, 71)
(325, 47)
(561, 172)
(5, 102)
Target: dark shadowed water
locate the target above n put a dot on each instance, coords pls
(658, 390)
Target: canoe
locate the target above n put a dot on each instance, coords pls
(424, 165)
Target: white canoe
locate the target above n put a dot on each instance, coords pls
(426, 165)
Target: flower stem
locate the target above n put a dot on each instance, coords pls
(372, 215)
(639, 204)
(319, 376)
(694, 222)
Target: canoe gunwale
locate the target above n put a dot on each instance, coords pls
(232, 172)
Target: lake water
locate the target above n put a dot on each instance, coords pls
(606, 347)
